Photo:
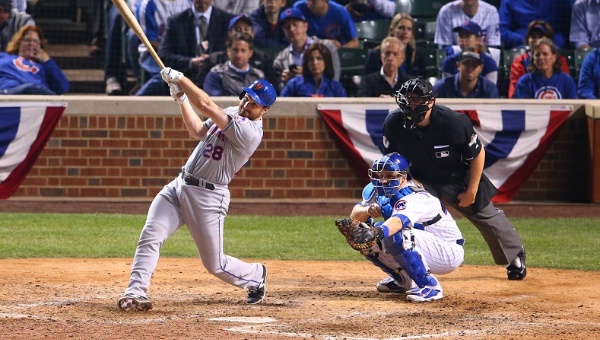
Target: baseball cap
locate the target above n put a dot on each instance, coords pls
(237, 18)
(470, 54)
(541, 28)
(262, 92)
(470, 27)
(291, 13)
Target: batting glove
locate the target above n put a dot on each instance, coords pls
(170, 75)
(177, 93)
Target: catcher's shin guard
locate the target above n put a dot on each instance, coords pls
(409, 259)
(384, 262)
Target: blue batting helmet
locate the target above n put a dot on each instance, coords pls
(262, 92)
(395, 166)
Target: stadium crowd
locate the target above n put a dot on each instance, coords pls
(543, 49)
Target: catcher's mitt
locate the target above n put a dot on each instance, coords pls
(359, 235)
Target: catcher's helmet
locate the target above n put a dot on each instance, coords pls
(395, 166)
(261, 91)
(413, 99)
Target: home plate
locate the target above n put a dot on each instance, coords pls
(245, 319)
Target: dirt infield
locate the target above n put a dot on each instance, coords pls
(76, 298)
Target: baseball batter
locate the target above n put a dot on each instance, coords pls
(199, 196)
(419, 237)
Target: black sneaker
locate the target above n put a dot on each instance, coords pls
(516, 269)
(257, 294)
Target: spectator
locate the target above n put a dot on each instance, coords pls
(288, 62)
(588, 86)
(363, 10)
(329, 20)
(184, 45)
(229, 78)
(26, 68)
(545, 79)
(11, 20)
(237, 7)
(401, 27)
(460, 12)
(265, 22)
(470, 36)
(152, 16)
(585, 24)
(515, 16)
(386, 81)
(259, 60)
(468, 82)
(317, 76)
(536, 30)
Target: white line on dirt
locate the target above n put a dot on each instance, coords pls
(244, 319)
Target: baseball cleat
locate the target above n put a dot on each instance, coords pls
(134, 303)
(424, 294)
(516, 269)
(389, 285)
(257, 294)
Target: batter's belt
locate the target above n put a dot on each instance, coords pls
(190, 179)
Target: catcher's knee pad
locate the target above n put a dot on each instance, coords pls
(414, 266)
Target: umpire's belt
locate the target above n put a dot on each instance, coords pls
(190, 179)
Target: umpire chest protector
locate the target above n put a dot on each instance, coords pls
(438, 153)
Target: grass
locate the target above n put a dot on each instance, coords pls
(551, 243)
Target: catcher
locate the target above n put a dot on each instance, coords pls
(418, 238)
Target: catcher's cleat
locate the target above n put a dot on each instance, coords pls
(425, 294)
(389, 285)
(134, 303)
(257, 294)
(516, 269)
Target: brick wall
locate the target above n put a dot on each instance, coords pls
(128, 154)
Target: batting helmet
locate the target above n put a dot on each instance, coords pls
(395, 166)
(413, 99)
(261, 91)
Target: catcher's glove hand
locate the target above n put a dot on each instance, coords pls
(359, 235)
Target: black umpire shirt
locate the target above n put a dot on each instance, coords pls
(439, 153)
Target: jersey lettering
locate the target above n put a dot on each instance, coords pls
(25, 68)
(213, 152)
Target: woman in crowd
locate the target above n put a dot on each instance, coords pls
(536, 30)
(26, 68)
(401, 27)
(317, 76)
(545, 79)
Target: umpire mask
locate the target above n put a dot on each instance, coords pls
(413, 99)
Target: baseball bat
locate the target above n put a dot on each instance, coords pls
(121, 5)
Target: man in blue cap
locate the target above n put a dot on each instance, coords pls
(199, 197)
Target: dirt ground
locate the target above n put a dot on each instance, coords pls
(76, 298)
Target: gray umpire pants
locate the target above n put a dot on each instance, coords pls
(497, 231)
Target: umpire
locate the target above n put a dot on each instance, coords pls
(446, 156)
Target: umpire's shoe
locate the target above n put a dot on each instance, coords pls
(257, 294)
(134, 303)
(516, 269)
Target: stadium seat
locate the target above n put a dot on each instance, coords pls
(270, 52)
(420, 9)
(352, 62)
(371, 33)
(579, 57)
(570, 56)
(434, 58)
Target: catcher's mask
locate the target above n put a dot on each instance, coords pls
(413, 99)
(386, 173)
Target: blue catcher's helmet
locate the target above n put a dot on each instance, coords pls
(413, 99)
(261, 91)
(388, 183)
